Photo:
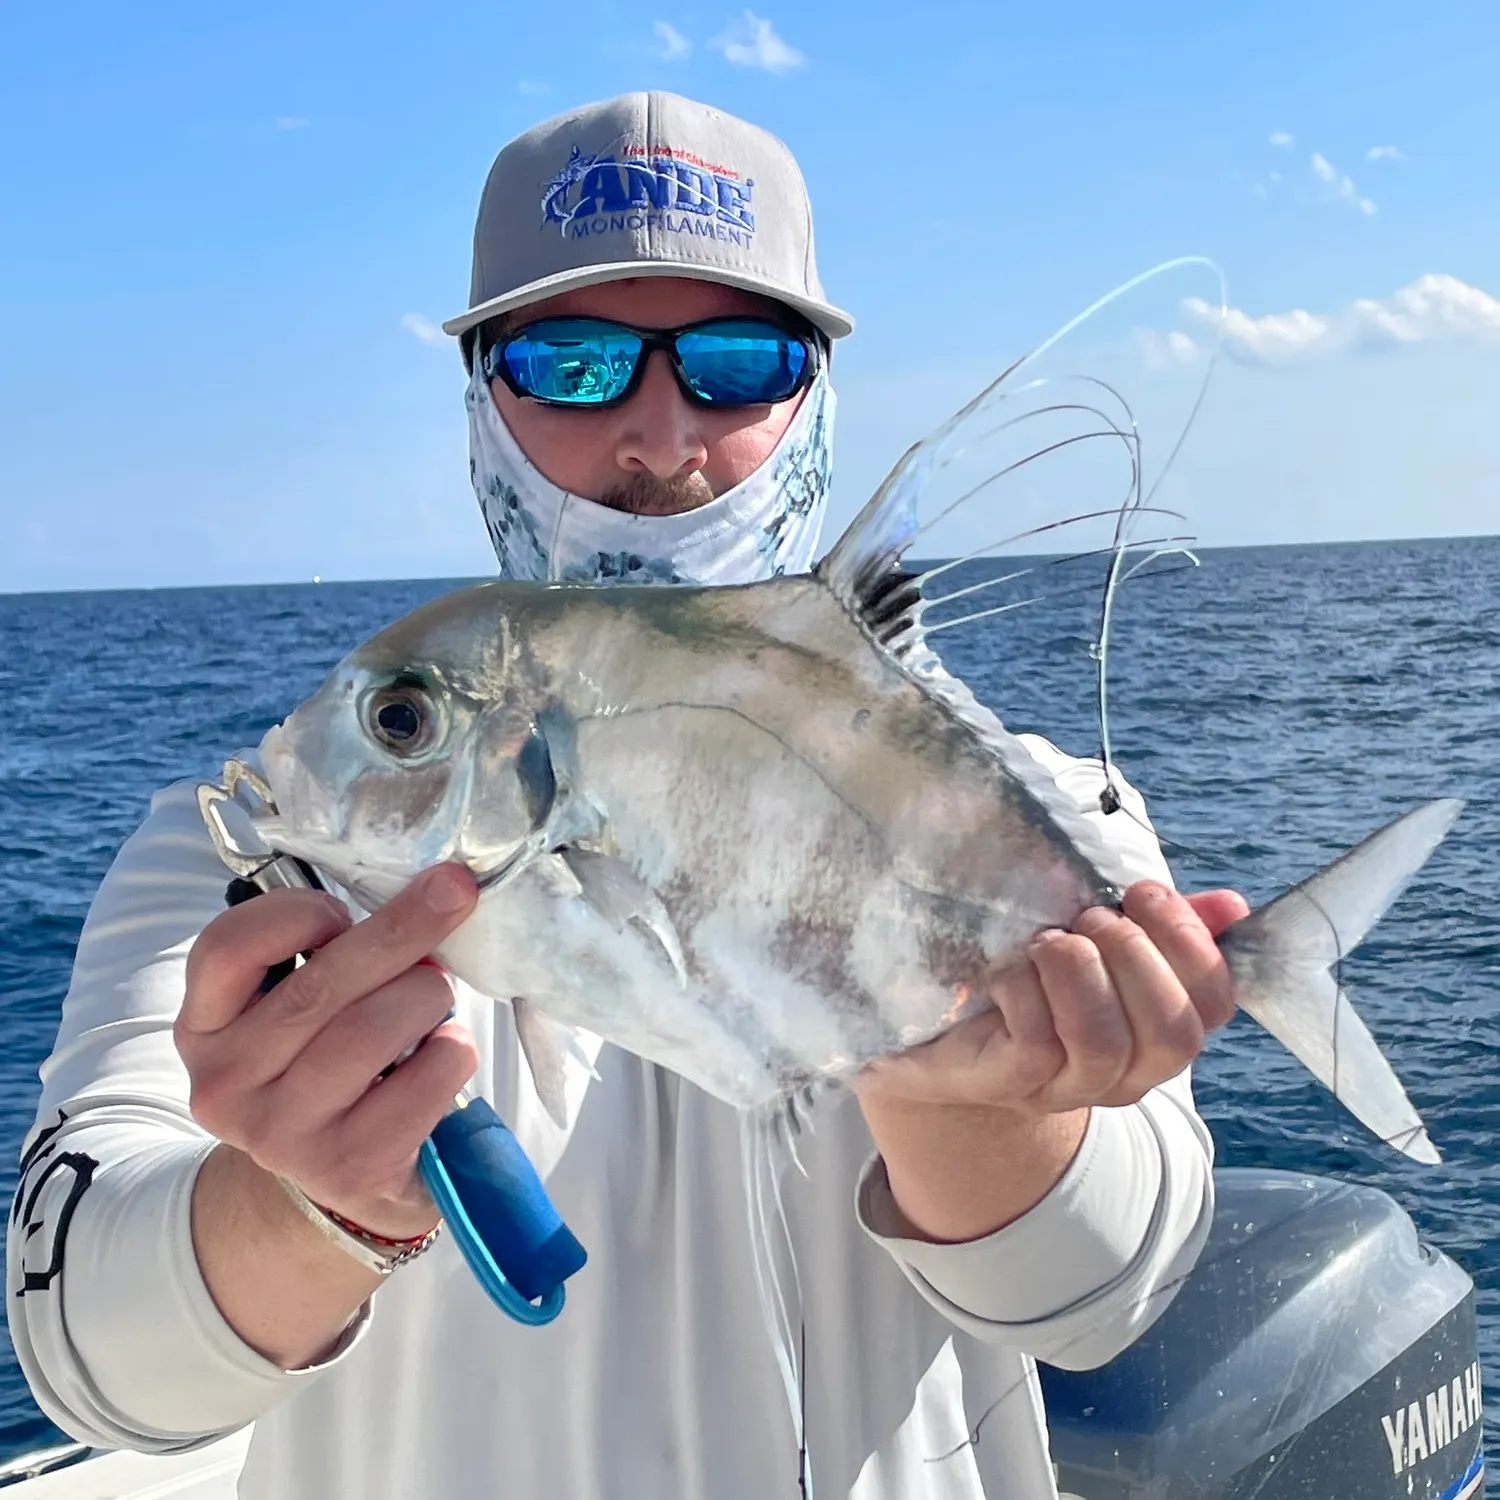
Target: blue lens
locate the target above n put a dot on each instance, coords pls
(741, 363)
(578, 361)
(591, 361)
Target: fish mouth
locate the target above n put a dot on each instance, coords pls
(497, 876)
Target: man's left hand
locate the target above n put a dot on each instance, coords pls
(1096, 1016)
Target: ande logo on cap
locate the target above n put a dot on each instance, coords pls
(633, 188)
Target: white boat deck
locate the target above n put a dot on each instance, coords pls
(207, 1474)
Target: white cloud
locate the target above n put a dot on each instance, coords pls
(292, 122)
(1385, 153)
(533, 88)
(674, 46)
(1282, 139)
(425, 330)
(1432, 309)
(1161, 351)
(1271, 339)
(1340, 185)
(752, 42)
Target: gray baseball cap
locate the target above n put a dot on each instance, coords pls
(644, 185)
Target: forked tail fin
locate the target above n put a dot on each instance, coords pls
(1284, 959)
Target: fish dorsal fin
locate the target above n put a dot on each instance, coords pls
(1024, 416)
(868, 555)
(983, 461)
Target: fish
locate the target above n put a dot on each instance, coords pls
(759, 835)
(756, 834)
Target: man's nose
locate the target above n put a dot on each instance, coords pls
(659, 431)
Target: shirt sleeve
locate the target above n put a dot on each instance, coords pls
(112, 1322)
(1086, 1271)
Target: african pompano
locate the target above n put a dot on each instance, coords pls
(756, 834)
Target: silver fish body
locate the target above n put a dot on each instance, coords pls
(757, 835)
(767, 853)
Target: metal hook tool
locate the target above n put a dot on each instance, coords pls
(489, 1194)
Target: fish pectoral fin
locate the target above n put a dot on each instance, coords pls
(621, 897)
(546, 1045)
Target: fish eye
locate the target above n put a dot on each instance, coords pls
(402, 718)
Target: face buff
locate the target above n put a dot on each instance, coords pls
(760, 529)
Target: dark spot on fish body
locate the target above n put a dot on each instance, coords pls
(955, 959)
(861, 720)
(817, 953)
(686, 902)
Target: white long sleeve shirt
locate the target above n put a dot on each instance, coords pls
(659, 1378)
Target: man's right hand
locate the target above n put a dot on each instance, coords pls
(291, 1078)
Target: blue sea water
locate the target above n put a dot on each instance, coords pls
(1274, 704)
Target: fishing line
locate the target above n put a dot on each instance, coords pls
(1001, 609)
(762, 1175)
(1053, 593)
(972, 1441)
(1019, 537)
(803, 1487)
(1035, 531)
(1112, 431)
(1109, 799)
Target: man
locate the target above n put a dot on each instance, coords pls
(1039, 1179)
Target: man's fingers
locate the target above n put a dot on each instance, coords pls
(402, 1110)
(358, 962)
(1186, 941)
(1018, 995)
(1022, 1057)
(336, 1068)
(1219, 909)
(1086, 1014)
(228, 962)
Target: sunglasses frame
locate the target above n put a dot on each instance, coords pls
(652, 339)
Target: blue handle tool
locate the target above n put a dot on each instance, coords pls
(486, 1189)
(499, 1214)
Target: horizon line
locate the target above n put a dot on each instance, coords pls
(318, 581)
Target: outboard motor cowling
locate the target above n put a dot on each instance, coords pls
(1318, 1351)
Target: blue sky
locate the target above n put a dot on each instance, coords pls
(221, 224)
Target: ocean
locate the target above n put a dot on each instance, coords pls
(1274, 704)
